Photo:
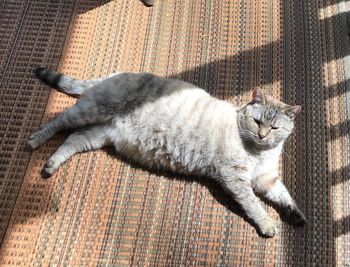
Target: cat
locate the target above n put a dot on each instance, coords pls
(172, 125)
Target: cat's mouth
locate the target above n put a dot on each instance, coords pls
(261, 143)
(266, 143)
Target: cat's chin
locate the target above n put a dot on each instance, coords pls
(265, 146)
(269, 144)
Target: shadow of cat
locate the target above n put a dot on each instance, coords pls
(215, 189)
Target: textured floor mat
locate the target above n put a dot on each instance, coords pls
(98, 210)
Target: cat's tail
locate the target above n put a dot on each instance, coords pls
(63, 83)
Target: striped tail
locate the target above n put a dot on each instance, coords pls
(63, 83)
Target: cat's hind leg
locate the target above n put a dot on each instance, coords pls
(275, 191)
(64, 83)
(81, 114)
(82, 140)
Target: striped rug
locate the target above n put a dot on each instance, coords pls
(99, 211)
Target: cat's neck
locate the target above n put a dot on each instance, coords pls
(258, 150)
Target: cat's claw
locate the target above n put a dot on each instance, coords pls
(268, 227)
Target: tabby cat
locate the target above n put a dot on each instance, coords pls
(172, 125)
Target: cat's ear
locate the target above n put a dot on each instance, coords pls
(292, 111)
(258, 96)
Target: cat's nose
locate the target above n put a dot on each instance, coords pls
(261, 135)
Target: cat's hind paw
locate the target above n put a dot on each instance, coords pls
(33, 142)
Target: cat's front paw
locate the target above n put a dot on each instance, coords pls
(267, 227)
(293, 216)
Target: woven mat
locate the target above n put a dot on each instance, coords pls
(99, 211)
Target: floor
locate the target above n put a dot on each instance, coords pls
(98, 210)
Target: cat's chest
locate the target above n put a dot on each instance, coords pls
(264, 167)
(266, 163)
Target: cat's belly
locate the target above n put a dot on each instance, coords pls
(182, 132)
(155, 157)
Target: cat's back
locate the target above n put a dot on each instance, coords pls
(126, 91)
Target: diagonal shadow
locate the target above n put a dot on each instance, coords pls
(340, 175)
(337, 131)
(18, 93)
(323, 4)
(212, 76)
(342, 226)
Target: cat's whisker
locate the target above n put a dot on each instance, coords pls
(284, 152)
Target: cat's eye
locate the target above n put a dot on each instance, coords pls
(257, 122)
(274, 127)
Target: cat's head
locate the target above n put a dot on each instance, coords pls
(265, 122)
